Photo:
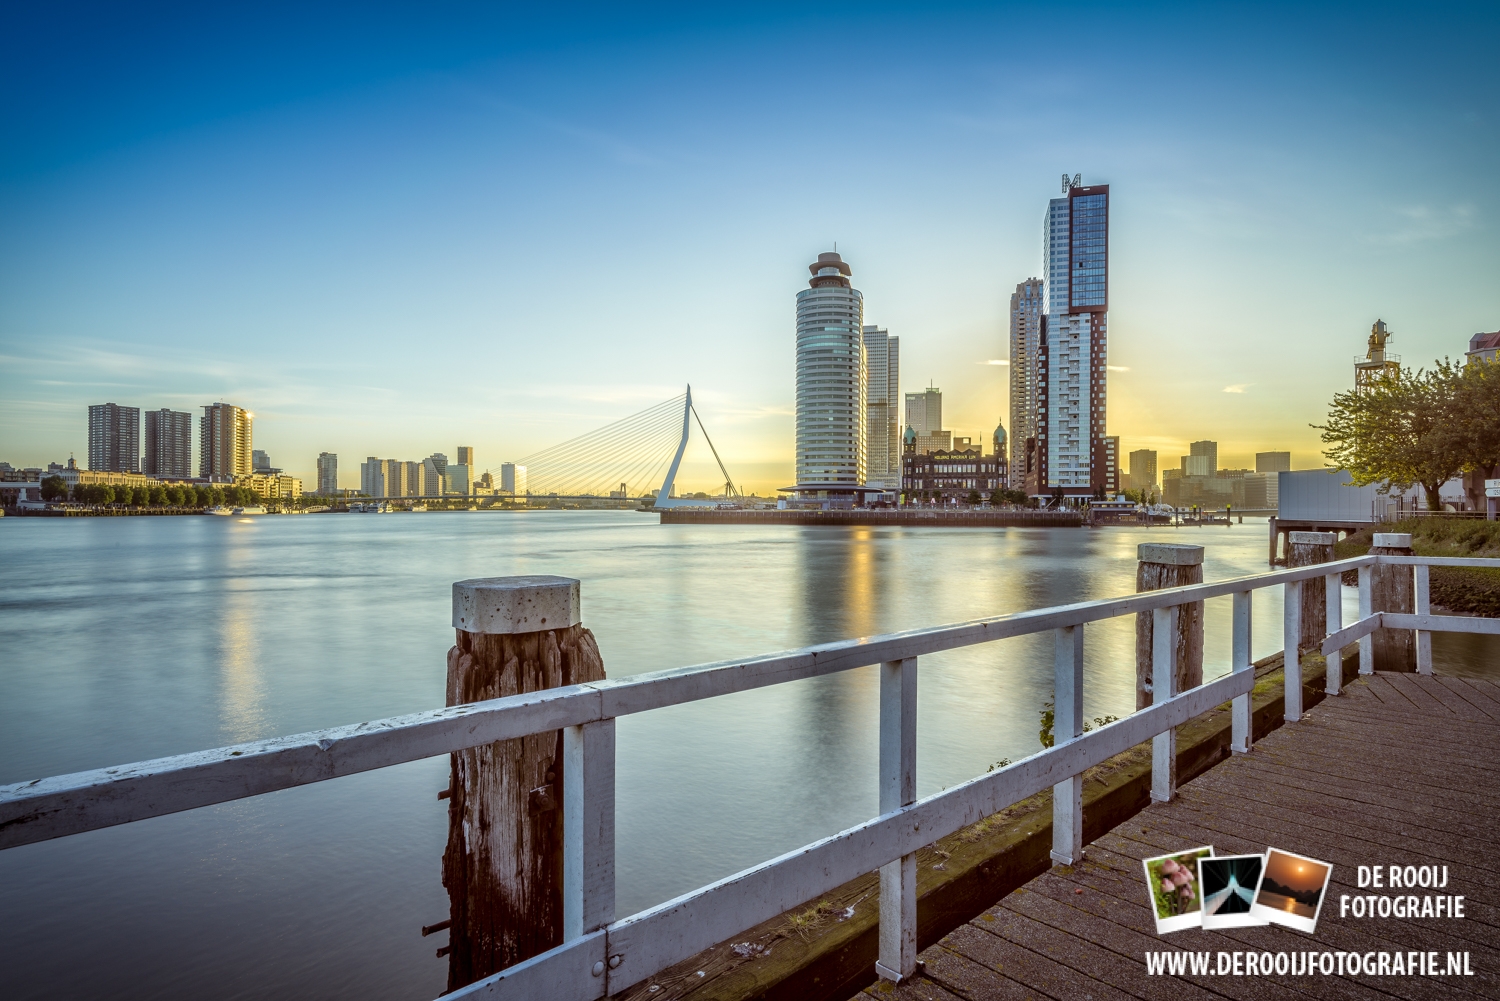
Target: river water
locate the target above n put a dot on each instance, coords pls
(130, 638)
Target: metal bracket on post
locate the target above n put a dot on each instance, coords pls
(1163, 687)
(897, 958)
(1424, 607)
(1366, 609)
(1067, 723)
(588, 828)
(1291, 636)
(1333, 672)
(1242, 734)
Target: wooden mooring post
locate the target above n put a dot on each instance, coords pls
(1163, 565)
(503, 867)
(1305, 549)
(1391, 590)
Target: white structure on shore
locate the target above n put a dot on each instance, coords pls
(831, 383)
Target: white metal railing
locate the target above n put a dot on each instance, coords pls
(601, 955)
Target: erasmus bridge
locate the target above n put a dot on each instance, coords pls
(628, 459)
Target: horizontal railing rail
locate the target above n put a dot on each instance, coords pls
(104, 797)
(602, 954)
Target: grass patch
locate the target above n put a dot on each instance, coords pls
(1471, 592)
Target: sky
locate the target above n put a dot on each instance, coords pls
(394, 230)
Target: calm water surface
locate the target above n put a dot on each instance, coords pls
(131, 638)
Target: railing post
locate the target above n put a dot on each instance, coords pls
(1366, 609)
(1067, 723)
(898, 787)
(1292, 655)
(1424, 607)
(1164, 686)
(1333, 588)
(1241, 732)
(588, 828)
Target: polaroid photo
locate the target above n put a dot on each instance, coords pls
(1172, 883)
(1291, 890)
(1228, 884)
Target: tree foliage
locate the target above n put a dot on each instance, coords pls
(54, 488)
(1422, 427)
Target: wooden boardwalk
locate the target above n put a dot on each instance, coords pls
(1401, 770)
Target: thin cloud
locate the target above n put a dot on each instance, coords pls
(996, 361)
(1238, 387)
(1118, 368)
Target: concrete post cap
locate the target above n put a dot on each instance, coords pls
(1170, 553)
(507, 605)
(1392, 540)
(1312, 538)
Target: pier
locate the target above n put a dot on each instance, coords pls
(1381, 762)
(1427, 798)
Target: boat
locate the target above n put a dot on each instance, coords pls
(419, 507)
(220, 510)
(252, 509)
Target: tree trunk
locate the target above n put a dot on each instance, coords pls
(1434, 496)
(503, 864)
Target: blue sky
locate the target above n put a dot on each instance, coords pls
(391, 231)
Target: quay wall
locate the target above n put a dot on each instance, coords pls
(902, 517)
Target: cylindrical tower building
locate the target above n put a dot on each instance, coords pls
(831, 380)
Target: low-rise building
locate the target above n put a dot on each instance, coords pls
(1484, 347)
(949, 476)
(271, 486)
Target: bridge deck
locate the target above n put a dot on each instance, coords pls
(1403, 770)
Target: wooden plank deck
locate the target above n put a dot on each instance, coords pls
(1402, 770)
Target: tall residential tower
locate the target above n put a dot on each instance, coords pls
(1069, 454)
(169, 444)
(114, 438)
(882, 408)
(1026, 311)
(831, 384)
(225, 441)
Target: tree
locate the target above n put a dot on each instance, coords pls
(973, 498)
(54, 488)
(1477, 413)
(1403, 429)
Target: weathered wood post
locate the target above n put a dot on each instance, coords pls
(503, 867)
(1163, 565)
(1391, 590)
(1308, 549)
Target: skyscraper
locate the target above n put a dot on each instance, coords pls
(1209, 450)
(1026, 311)
(882, 408)
(328, 474)
(924, 415)
(169, 444)
(1069, 454)
(831, 382)
(1143, 469)
(114, 438)
(1273, 462)
(466, 455)
(225, 441)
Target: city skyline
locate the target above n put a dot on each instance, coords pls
(339, 242)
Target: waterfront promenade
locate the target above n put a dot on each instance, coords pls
(1399, 770)
(903, 517)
